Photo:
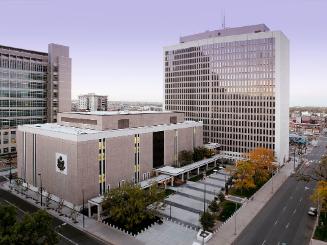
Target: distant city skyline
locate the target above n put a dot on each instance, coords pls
(117, 47)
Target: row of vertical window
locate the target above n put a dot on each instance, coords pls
(102, 166)
(13, 122)
(136, 158)
(6, 84)
(22, 94)
(23, 103)
(18, 64)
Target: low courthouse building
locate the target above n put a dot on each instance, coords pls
(96, 151)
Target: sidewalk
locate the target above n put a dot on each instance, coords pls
(92, 227)
(6, 171)
(226, 233)
(317, 242)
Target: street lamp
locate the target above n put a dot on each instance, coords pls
(204, 193)
(204, 201)
(294, 158)
(272, 181)
(39, 174)
(10, 174)
(170, 211)
(221, 168)
(83, 208)
(235, 231)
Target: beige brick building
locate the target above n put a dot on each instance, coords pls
(95, 151)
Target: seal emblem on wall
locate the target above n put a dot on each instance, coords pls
(61, 164)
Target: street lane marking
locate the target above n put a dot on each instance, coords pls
(287, 225)
(276, 222)
(15, 206)
(66, 238)
(264, 242)
(294, 211)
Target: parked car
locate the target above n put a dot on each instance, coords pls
(312, 211)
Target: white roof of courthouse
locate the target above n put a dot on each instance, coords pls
(113, 113)
(82, 134)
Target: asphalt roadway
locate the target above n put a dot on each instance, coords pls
(67, 233)
(284, 219)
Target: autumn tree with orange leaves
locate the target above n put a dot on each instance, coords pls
(320, 195)
(263, 162)
(255, 170)
(243, 174)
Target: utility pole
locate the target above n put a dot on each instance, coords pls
(235, 218)
(10, 174)
(272, 181)
(83, 209)
(204, 203)
(170, 211)
(39, 174)
(294, 158)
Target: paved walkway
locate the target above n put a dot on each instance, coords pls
(226, 233)
(317, 242)
(186, 205)
(6, 171)
(168, 233)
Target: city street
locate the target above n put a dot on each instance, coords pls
(284, 219)
(68, 234)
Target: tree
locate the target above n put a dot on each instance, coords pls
(208, 153)
(185, 157)
(7, 221)
(213, 206)
(199, 153)
(319, 172)
(263, 161)
(221, 196)
(35, 228)
(207, 221)
(243, 174)
(129, 205)
(320, 195)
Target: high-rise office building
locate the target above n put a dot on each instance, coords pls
(236, 81)
(92, 102)
(34, 87)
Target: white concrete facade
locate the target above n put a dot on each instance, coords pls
(237, 84)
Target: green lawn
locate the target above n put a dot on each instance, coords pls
(244, 193)
(321, 229)
(228, 208)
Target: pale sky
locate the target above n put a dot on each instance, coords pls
(116, 46)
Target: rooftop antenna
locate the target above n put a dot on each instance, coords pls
(223, 21)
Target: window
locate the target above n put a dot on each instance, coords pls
(123, 123)
(173, 120)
